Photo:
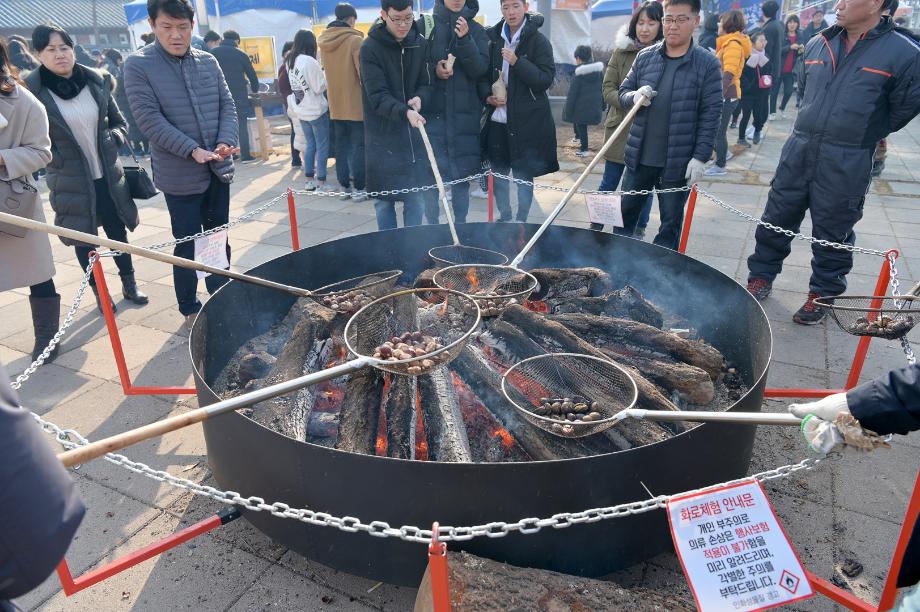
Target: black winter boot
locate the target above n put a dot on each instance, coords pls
(99, 303)
(46, 313)
(130, 291)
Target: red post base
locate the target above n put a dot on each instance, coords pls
(437, 568)
(109, 315)
(688, 220)
(72, 585)
(292, 213)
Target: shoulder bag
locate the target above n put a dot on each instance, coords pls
(19, 198)
(139, 183)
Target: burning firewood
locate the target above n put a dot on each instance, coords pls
(360, 412)
(447, 437)
(563, 283)
(627, 303)
(402, 397)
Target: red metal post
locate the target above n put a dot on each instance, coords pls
(292, 213)
(890, 591)
(835, 593)
(491, 197)
(71, 585)
(688, 220)
(881, 288)
(437, 568)
(115, 339)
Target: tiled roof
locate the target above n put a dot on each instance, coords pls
(69, 14)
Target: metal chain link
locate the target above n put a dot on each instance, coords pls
(790, 233)
(588, 191)
(899, 304)
(68, 321)
(389, 192)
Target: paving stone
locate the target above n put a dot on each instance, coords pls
(140, 345)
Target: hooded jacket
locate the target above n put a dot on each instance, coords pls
(70, 180)
(585, 103)
(732, 50)
(856, 99)
(456, 109)
(392, 73)
(696, 105)
(531, 130)
(624, 54)
(340, 54)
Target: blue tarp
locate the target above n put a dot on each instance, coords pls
(136, 11)
(611, 8)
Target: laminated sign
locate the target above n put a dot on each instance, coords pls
(734, 552)
(212, 251)
(604, 209)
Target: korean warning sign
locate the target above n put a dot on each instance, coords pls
(604, 209)
(211, 250)
(734, 552)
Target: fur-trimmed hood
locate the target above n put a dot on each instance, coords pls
(589, 68)
(622, 41)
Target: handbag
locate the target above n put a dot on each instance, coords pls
(764, 81)
(19, 198)
(139, 183)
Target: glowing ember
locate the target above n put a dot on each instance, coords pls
(473, 279)
(537, 306)
(381, 446)
(507, 440)
(421, 441)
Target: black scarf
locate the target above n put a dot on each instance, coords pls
(65, 89)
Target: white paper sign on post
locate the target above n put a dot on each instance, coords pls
(604, 209)
(734, 552)
(211, 250)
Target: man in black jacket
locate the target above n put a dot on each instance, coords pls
(670, 142)
(519, 132)
(455, 110)
(814, 26)
(775, 33)
(862, 82)
(395, 85)
(237, 69)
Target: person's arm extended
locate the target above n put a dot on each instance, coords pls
(890, 403)
(150, 119)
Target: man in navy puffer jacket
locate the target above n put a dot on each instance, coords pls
(670, 142)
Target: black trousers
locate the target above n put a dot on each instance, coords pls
(581, 132)
(243, 112)
(670, 205)
(755, 105)
(459, 204)
(349, 153)
(788, 81)
(500, 159)
(188, 215)
(827, 181)
(114, 229)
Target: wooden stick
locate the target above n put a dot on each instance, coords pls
(181, 262)
(437, 177)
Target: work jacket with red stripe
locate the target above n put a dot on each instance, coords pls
(855, 99)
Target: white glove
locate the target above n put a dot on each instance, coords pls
(694, 171)
(826, 409)
(822, 436)
(644, 95)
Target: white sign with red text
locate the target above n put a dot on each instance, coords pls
(604, 209)
(211, 250)
(734, 552)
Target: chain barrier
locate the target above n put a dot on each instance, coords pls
(899, 304)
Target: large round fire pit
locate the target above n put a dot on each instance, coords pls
(254, 460)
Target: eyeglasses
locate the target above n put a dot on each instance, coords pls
(405, 21)
(681, 20)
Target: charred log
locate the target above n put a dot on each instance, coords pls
(403, 394)
(561, 283)
(691, 382)
(481, 585)
(425, 279)
(360, 412)
(444, 428)
(612, 331)
(627, 303)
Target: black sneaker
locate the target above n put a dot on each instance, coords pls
(756, 138)
(810, 313)
(733, 125)
(760, 288)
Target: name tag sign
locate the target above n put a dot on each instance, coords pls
(211, 250)
(734, 552)
(604, 209)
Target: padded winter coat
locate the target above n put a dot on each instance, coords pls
(585, 103)
(624, 54)
(696, 104)
(455, 110)
(70, 180)
(180, 104)
(531, 129)
(392, 73)
(733, 50)
(775, 32)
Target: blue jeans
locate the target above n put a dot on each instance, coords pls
(412, 212)
(314, 158)
(613, 172)
(670, 205)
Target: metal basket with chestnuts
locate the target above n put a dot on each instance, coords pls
(347, 302)
(491, 303)
(411, 345)
(567, 410)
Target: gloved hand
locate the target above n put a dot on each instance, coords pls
(694, 171)
(644, 95)
(826, 409)
(822, 436)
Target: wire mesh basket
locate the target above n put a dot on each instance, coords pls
(457, 254)
(875, 316)
(414, 331)
(569, 394)
(351, 295)
(493, 287)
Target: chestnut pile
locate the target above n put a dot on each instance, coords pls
(411, 345)
(883, 326)
(348, 302)
(568, 410)
(491, 303)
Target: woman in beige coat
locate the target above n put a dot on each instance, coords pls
(25, 148)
